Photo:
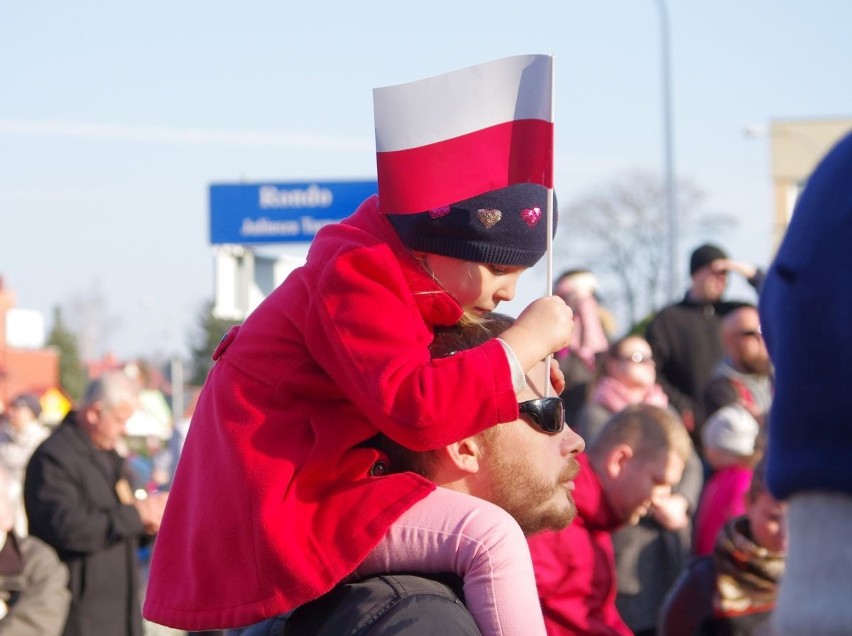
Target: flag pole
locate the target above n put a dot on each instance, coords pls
(549, 251)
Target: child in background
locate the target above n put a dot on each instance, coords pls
(734, 590)
(279, 495)
(730, 447)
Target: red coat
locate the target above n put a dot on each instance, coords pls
(273, 502)
(575, 567)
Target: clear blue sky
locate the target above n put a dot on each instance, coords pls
(116, 117)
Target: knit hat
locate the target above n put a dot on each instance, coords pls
(805, 316)
(501, 227)
(703, 256)
(28, 400)
(731, 429)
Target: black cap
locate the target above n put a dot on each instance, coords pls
(704, 255)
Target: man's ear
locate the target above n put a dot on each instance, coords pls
(616, 459)
(465, 455)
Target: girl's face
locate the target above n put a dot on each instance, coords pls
(477, 287)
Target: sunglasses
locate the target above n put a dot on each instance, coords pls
(548, 413)
(638, 357)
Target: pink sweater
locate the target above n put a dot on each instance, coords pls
(723, 498)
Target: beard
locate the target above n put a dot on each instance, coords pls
(759, 365)
(536, 502)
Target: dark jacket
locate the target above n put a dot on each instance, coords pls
(34, 588)
(72, 505)
(687, 344)
(688, 608)
(378, 606)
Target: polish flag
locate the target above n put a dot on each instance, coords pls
(450, 137)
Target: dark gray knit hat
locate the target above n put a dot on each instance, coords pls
(704, 255)
(501, 227)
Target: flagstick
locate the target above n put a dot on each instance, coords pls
(549, 252)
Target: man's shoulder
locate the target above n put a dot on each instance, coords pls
(378, 606)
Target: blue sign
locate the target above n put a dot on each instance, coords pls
(281, 212)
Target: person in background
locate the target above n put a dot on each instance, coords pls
(733, 591)
(34, 596)
(20, 434)
(79, 502)
(634, 461)
(732, 446)
(744, 375)
(626, 375)
(589, 340)
(664, 536)
(685, 337)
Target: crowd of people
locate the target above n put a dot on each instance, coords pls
(377, 450)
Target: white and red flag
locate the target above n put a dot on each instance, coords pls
(450, 137)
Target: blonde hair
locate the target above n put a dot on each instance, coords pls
(646, 429)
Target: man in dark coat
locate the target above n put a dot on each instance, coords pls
(79, 501)
(686, 336)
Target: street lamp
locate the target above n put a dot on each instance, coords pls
(668, 153)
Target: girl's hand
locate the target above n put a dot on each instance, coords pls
(544, 327)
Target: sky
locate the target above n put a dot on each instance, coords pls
(115, 118)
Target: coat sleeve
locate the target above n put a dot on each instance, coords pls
(368, 332)
(658, 337)
(67, 519)
(42, 607)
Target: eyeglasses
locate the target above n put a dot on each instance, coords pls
(548, 413)
(638, 357)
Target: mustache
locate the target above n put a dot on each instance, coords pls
(571, 470)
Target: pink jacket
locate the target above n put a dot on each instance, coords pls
(723, 498)
(277, 496)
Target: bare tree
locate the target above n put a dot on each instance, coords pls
(90, 320)
(620, 229)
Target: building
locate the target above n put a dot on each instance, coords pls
(797, 145)
(26, 364)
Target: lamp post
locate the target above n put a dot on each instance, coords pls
(668, 154)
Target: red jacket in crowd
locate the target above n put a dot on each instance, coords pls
(575, 567)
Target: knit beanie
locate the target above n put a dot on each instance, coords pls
(731, 429)
(805, 314)
(703, 256)
(806, 318)
(507, 227)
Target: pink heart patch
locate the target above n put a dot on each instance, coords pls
(437, 213)
(531, 216)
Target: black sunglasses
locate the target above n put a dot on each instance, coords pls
(548, 413)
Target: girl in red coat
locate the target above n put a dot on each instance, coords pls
(279, 494)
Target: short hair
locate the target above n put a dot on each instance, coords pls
(112, 389)
(646, 429)
(447, 341)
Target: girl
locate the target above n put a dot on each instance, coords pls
(279, 496)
